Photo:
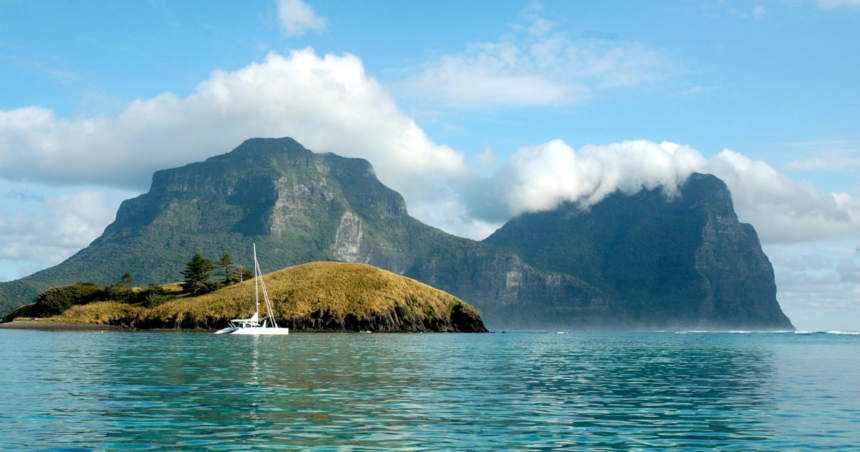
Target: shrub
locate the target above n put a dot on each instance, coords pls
(57, 300)
(150, 296)
(120, 290)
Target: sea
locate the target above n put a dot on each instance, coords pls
(114, 390)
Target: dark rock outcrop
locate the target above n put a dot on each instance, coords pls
(391, 321)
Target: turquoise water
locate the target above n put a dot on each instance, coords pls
(638, 391)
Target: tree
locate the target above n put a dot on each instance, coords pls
(243, 274)
(120, 290)
(226, 265)
(125, 280)
(197, 273)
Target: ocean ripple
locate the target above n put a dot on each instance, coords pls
(325, 392)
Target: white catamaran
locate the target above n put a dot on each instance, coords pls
(252, 326)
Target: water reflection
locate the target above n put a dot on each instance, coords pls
(366, 392)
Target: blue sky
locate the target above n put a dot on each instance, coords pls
(465, 89)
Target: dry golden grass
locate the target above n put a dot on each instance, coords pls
(298, 291)
(101, 312)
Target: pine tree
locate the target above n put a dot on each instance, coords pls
(197, 273)
(226, 263)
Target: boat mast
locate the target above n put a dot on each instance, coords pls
(256, 284)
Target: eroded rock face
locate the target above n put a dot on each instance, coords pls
(347, 242)
(460, 320)
(391, 321)
(296, 199)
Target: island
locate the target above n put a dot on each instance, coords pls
(314, 297)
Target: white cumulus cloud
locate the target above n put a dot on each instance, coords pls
(819, 283)
(782, 209)
(839, 156)
(297, 17)
(58, 227)
(328, 104)
(534, 66)
(541, 177)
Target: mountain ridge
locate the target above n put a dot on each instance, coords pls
(301, 207)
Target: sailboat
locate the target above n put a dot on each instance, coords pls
(252, 325)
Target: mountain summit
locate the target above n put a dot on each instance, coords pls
(548, 270)
(668, 259)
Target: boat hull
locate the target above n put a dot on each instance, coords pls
(254, 331)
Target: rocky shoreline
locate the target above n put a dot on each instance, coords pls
(326, 323)
(58, 326)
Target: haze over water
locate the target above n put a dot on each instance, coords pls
(638, 391)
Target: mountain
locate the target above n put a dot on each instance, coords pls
(320, 296)
(670, 259)
(301, 207)
(298, 207)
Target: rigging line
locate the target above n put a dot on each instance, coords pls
(269, 306)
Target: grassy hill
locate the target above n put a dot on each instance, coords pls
(320, 296)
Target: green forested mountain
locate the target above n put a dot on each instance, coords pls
(300, 207)
(297, 207)
(685, 258)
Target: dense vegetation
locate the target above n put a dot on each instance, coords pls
(640, 249)
(647, 252)
(198, 276)
(59, 299)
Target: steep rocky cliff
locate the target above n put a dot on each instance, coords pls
(672, 260)
(301, 207)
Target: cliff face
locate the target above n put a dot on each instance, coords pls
(682, 261)
(534, 273)
(740, 278)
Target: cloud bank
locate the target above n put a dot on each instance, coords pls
(296, 18)
(782, 209)
(60, 226)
